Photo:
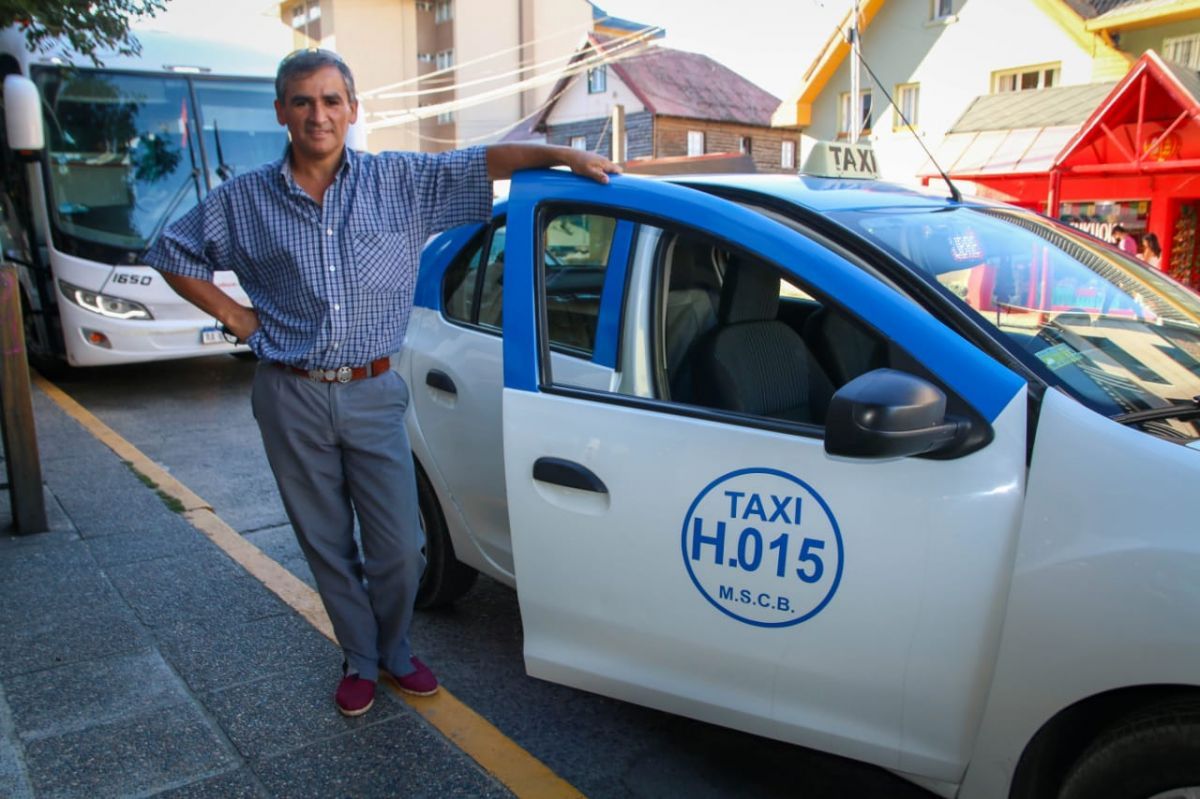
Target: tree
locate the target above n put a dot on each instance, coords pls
(85, 26)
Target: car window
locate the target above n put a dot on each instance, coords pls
(709, 325)
(491, 294)
(576, 250)
(458, 285)
(575, 261)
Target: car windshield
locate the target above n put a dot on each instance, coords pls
(1115, 333)
(124, 158)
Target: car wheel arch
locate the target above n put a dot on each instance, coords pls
(1058, 744)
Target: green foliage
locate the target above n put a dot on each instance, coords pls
(86, 26)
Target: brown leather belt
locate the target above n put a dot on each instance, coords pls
(342, 374)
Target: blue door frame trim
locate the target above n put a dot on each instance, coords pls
(612, 297)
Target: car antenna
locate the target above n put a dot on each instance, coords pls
(955, 194)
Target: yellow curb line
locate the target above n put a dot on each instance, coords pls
(500, 756)
(126, 451)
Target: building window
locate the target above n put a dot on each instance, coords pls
(787, 155)
(597, 79)
(579, 143)
(695, 142)
(941, 9)
(445, 118)
(443, 11)
(744, 145)
(1183, 50)
(425, 58)
(306, 20)
(1025, 79)
(424, 5)
(907, 97)
(444, 59)
(846, 115)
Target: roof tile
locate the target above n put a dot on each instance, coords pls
(681, 84)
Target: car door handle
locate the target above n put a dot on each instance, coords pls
(438, 379)
(567, 473)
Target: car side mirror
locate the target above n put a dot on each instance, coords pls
(886, 413)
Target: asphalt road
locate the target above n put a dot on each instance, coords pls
(193, 417)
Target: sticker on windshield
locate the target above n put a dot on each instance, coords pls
(763, 547)
(965, 247)
(1058, 356)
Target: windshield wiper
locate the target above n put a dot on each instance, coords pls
(1181, 410)
(161, 224)
(224, 170)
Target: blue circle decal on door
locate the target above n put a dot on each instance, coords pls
(763, 547)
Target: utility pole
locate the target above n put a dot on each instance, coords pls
(855, 117)
(618, 134)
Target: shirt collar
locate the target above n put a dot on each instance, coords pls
(345, 168)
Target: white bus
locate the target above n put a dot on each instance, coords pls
(97, 162)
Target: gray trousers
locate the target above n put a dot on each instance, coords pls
(337, 450)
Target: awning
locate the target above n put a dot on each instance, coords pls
(996, 152)
(1014, 133)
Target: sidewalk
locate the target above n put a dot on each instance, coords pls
(137, 659)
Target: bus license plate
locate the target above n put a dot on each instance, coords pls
(211, 335)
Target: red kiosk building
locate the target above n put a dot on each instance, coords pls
(1135, 162)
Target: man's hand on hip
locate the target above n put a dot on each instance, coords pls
(243, 323)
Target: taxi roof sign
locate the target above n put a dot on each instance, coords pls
(829, 159)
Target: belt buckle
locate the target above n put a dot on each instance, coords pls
(345, 374)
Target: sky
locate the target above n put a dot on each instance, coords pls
(769, 42)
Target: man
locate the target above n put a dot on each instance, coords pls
(326, 243)
(1125, 240)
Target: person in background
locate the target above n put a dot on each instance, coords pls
(326, 242)
(1125, 240)
(1151, 250)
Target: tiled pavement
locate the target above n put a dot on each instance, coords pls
(137, 659)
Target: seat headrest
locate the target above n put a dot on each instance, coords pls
(750, 293)
(691, 266)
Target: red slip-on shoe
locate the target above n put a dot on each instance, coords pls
(420, 682)
(354, 695)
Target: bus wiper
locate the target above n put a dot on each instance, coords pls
(1180, 410)
(224, 170)
(161, 224)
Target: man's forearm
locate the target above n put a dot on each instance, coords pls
(505, 159)
(240, 320)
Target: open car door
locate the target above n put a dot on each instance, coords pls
(715, 560)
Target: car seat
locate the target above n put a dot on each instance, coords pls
(753, 363)
(691, 310)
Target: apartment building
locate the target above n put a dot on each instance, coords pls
(409, 56)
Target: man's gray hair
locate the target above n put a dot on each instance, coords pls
(307, 61)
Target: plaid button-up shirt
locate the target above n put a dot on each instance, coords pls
(332, 282)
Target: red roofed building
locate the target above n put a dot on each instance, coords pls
(676, 104)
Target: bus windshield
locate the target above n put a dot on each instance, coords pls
(127, 151)
(1120, 336)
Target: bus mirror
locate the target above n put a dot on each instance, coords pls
(356, 136)
(23, 109)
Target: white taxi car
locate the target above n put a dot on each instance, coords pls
(905, 479)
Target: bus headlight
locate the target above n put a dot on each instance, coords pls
(94, 301)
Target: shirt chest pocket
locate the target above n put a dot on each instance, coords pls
(381, 261)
